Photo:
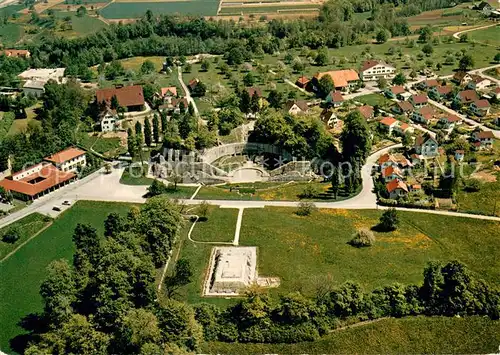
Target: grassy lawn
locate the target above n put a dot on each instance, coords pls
(219, 227)
(108, 146)
(426, 335)
(374, 100)
(10, 33)
(28, 226)
(24, 271)
(267, 191)
(307, 251)
(484, 201)
(133, 176)
(489, 35)
(138, 9)
(81, 26)
(6, 120)
(20, 125)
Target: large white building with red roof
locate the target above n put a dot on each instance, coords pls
(69, 159)
(374, 69)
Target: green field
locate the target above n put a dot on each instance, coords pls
(233, 10)
(27, 226)
(81, 26)
(24, 271)
(374, 100)
(6, 120)
(489, 35)
(416, 335)
(119, 10)
(10, 33)
(219, 227)
(485, 201)
(308, 251)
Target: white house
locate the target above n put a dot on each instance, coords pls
(109, 119)
(480, 107)
(388, 124)
(296, 107)
(426, 146)
(423, 115)
(374, 69)
(69, 159)
(34, 87)
(478, 83)
(450, 121)
(483, 139)
(396, 188)
(335, 98)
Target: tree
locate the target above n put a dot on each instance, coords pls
(205, 65)
(297, 65)
(199, 90)
(464, 38)
(114, 102)
(113, 225)
(382, 36)
(156, 129)
(382, 83)
(425, 34)
(138, 128)
(147, 132)
(406, 140)
(188, 67)
(249, 79)
(131, 143)
(181, 277)
(275, 99)
(58, 291)
(203, 210)
(466, 62)
(81, 11)
(496, 59)
(157, 188)
(399, 79)
(322, 57)
(12, 235)
(363, 238)
(138, 328)
(389, 220)
(108, 167)
(427, 49)
(147, 67)
(326, 85)
(355, 138)
(305, 209)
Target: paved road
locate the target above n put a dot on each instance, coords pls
(457, 34)
(187, 94)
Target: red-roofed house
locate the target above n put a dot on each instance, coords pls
(478, 83)
(367, 112)
(130, 97)
(440, 92)
(402, 128)
(388, 124)
(403, 108)
(168, 91)
(423, 115)
(484, 139)
(466, 97)
(427, 84)
(374, 69)
(419, 100)
(396, 188)
(480, 107)
(193, 83)
(426, 146)
(461, 77)
(69, 159)
(20, 53)
(335, 99)
(36, 181)
(390, 173)
(386, 160)
(344, 80)
(302, 82)
(395, 92)
(450, 121)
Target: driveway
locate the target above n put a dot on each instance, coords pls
(187, 94)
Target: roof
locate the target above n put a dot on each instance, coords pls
(171, 89)
(427, 112)
(405, 106)
(366, 111)
(477, 79)
(44, 73)
(384, 158)
(419, 99)
(302, 104)
(193, 82)
(468, 96)
(423, 139)
(444, 90)
(253, 90)
(416, 187)
(404, 126)
(431, 83)
(396, 184)
(459, 151)
(65, 155)
(49, 177)
(388, 121)
(390, 170)
(34, 84)
(302, 80)
(341, 78)
(127, 95)
(16, 52)
(336, 96)
(398, 90)
(460, 75)
(368, 64)
(482, 104)
(177, 102)
(484, 135)
(453, 118)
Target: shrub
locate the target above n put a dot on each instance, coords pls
(472, 185)
(362, 238)
(305, 209)
(203, 210)
(309, 192)
(11, 236)
(389, 220)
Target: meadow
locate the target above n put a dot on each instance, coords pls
(426, 335)
(23, 272)
(490, 35)
(118, 10)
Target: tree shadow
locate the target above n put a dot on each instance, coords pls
(379, 228)
(34, 324)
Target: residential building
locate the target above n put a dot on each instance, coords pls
(344, 80)
(485, 8)
(496, 92)
(402, 128)
(170, 91)
(388, 124)
(466, 97)
(415, 188)
(56, 74)
(440, 93)
(396, 188)
(391, 172)
(296, 107)
(461, 77)
(459, 155)
(34, 87)
(386, 160)
(36, 181)
(20, 53)
(423, 115)
(478, 83)
(193, 83)
(483, 139)
(69, 159)
(373, 70)
(108, 119)
(403, 108)
(175, 105)
(367, 112)
(394, 91)
(335, 99)
(416, 159)
(302, 82)
(254, 91)
(419, 101)
(129, 97)
(480, 107)
(427, 84)
(450, 121)
(426, 146)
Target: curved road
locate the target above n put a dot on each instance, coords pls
(457, 34)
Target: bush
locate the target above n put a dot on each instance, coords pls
(362, 238)
(11, 236)
(472, 185)
(203, 210)
(305, 209)
(389, 220)
(309, 191)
